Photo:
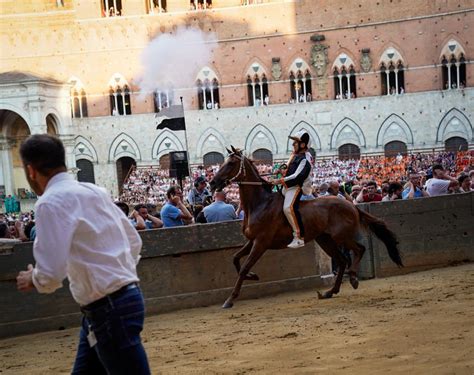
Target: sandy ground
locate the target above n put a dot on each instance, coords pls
(415, 324)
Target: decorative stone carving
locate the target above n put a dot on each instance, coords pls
(319, 59)
(276, 68)
(365, 60)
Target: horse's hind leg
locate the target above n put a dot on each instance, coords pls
(255, 254)
(358, 249)
(245, 250)
(331, 248)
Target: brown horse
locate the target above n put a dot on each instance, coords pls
(334, 223)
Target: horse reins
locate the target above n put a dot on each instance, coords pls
(242, 171)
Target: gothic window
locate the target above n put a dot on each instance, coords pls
(208, 89)
(344, 78)
(86, 171)
(392, 73)
(455, 144)
(163, 99)
(300, 86)
(394, 148)
(263, 155)
(454, 71)
(156, 6)
(78, 99)
(213, 158)
(119, 95)
(257, 89)
(111, 8)
(349, 151)
(200, 4)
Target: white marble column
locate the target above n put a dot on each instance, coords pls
(69, 143)
(6, 165)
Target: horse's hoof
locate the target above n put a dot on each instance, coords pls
(354, 282)
(252, 276)
(227, 305)
(326, 295)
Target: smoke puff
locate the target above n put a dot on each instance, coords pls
(173, 60)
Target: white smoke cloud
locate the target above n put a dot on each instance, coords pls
(172, 61)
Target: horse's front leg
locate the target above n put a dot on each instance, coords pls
(245, 250)
(256, 253)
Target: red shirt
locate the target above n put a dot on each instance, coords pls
(375, 198)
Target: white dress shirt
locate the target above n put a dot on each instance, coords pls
(82, 235)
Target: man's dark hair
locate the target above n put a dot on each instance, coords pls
(172, 191)
(437, 166)
(3, 230)
(43, 152)
(372, 183)
(462, 178)
(139, 207)
(393, 187)
(124, 207)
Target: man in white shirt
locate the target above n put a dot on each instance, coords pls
(82, 235)
(441, 182)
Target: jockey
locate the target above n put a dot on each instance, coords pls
(296, 181)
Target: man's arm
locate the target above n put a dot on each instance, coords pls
(185, 214)
(157, 223)
(140, 223)
(304, 168)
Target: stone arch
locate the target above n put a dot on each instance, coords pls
(343, 60)
(347, 131)
(10, 117)
(391, 55)
(313, 135)
(124, 145)
(53, 120)
(297, 65)
(206, 73)
(260, 137)
(165, 143)
(210, 140)
(394, 128)
(454, 124)
(255, 67)
(84, 149)
(452, 47)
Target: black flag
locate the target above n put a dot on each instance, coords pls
(171, 118)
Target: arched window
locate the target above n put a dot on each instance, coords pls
(453, 66)
(344, 78)
(111, 8)
(86, 171)
(392, 73)
(119, 94)
(257, 90)
(163, 99)
(78, 99)
(208, 89)
(394, 148)
(124, 166)
(349, 151)
(156, 6)
(263, 155)
(455, 144)
(301, 89)
(200, 4)
(213, 158)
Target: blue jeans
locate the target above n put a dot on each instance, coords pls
(116, 321)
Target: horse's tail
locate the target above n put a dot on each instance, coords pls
(380, 229)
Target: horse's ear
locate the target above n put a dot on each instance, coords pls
(228, 151)
(233, 149)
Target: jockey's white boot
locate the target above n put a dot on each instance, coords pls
(296, 243)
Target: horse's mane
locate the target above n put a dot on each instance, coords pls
(266, 186)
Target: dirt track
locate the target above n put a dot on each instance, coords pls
(415, 324)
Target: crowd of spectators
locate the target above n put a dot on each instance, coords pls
(17, 227)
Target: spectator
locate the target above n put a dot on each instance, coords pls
(150, 221)
(441, 181)
(334, 189)
(355, 192)
(413, 187)
(219, 210)
(394, 192)
(199, 194)
(267, 100)
(369, 194)
(174, 213)
(465, 183)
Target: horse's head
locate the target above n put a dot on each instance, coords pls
(229, 171)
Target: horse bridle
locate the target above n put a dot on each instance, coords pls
(241, 172)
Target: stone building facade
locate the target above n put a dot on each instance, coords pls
(361, 77)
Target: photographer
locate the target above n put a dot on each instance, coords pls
(414, 188)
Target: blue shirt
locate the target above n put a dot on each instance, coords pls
(148, 224)
(418, 193)
(171, 216)
(219, 211)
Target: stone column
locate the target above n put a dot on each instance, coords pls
(6, 178)
(69, 143)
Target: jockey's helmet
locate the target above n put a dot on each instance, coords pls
(301, 136)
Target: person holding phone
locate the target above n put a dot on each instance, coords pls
(174, 213)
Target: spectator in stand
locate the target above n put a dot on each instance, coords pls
(355, 192)
(413, 188)
(369, 194)
(394, 192)
(465, 183)
(219, 210)
(136, 220)
(199, 194)
(441, 181)
(174, 213)
(151, 222)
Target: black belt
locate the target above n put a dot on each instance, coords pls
(105, 300)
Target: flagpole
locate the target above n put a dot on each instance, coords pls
(187, 148)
